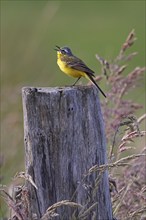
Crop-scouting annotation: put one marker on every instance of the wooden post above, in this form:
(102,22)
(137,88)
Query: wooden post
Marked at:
(64,137)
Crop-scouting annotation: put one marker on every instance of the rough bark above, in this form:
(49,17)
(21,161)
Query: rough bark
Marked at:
(64,137)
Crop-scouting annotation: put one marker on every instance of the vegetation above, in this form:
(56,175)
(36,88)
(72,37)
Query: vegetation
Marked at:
(126,173)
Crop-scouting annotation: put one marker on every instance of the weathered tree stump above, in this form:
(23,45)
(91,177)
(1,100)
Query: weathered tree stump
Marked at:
(64,137)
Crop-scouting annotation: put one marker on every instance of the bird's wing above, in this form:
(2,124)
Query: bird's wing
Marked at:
(78,64)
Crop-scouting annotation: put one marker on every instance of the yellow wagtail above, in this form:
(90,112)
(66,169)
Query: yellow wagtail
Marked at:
(73,66)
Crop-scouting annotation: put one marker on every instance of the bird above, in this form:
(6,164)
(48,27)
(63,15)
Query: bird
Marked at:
(73,66)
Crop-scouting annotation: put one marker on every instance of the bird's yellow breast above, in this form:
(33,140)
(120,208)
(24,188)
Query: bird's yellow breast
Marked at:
(66,69)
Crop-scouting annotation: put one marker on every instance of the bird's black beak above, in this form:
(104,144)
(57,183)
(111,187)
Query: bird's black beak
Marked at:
(57,48)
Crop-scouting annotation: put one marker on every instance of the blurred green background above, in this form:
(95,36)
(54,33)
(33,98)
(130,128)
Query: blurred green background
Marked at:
(29,32)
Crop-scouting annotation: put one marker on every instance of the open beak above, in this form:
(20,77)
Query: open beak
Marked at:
(57,48)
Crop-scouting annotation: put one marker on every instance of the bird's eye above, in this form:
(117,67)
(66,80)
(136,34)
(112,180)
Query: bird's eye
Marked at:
(63,51)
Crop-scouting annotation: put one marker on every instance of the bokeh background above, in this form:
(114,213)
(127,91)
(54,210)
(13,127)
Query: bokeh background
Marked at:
(29,32)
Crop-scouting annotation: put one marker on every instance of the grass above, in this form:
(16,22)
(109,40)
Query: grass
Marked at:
(126,189)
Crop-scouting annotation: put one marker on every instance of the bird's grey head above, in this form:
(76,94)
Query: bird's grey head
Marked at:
(64,50)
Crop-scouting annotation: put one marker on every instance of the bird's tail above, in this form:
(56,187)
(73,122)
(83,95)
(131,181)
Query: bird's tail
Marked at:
(93,81)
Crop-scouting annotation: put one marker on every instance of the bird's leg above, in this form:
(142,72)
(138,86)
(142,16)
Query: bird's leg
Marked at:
(76,81)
